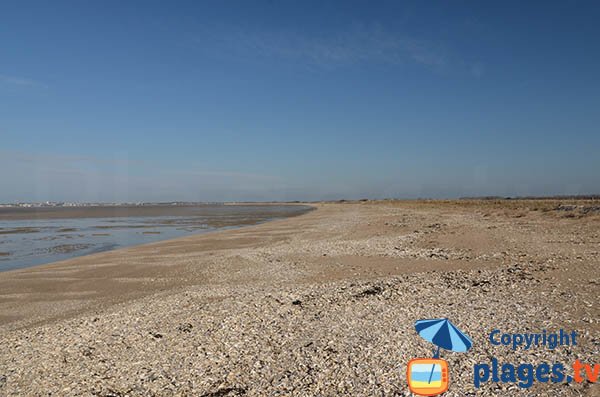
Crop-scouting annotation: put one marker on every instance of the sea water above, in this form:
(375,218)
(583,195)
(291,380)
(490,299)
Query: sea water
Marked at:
(30,242)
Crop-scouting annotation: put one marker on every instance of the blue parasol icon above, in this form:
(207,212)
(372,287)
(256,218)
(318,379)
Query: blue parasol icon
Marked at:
(442,333)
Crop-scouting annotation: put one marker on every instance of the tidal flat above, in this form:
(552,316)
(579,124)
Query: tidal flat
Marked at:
(34,236)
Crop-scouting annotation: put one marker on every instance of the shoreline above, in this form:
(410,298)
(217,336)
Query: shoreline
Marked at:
(64,233)
(328,298)
(150,244)
(34,279)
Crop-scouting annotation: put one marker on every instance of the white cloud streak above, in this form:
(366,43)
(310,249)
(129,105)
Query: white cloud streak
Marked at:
(358,45)
(20,82)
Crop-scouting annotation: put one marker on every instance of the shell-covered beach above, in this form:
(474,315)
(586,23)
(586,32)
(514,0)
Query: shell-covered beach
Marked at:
(321,304)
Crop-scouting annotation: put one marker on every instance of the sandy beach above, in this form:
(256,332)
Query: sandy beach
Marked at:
(322,304)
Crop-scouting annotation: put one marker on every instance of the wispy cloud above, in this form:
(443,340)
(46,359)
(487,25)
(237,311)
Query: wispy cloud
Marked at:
(357,45)
(20,81)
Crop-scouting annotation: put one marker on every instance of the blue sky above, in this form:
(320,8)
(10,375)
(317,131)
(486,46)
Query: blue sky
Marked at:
(277,100)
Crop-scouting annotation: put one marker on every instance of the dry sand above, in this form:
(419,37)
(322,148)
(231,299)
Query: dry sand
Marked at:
(318,305)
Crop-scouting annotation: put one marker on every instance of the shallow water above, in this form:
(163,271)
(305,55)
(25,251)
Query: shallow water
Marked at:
(30,242)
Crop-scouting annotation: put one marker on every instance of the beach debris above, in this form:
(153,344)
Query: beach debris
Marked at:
(185,327)
(155,335)
(226,392)
(373,290)
(477,283)
(87,351)
(112,393)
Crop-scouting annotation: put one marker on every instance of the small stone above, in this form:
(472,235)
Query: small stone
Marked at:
(186,327)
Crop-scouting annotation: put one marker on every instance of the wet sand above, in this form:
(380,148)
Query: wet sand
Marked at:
(319,304)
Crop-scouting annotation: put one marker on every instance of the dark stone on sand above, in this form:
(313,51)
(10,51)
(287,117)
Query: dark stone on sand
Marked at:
(374,290)
(187,327)
(226,392)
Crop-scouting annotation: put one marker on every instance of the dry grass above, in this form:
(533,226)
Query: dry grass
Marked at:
(559,207)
